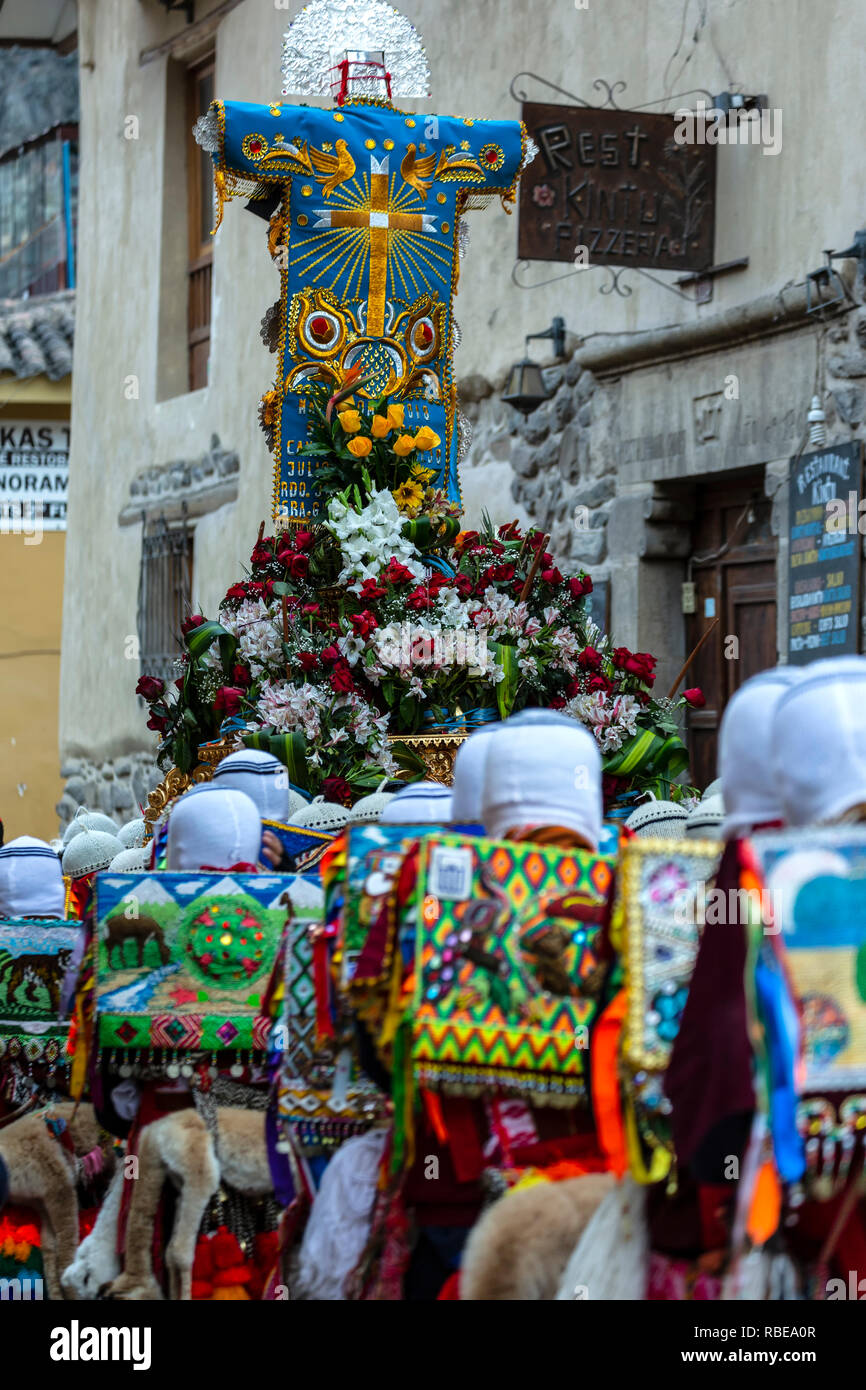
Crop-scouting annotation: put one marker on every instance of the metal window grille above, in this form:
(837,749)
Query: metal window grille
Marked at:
(164,594)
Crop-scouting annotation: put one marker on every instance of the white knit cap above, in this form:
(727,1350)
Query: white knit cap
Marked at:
(327,816)
(714,788)
(263,778)
(132,834)
(705,819)
(468,782)
(421,803)
(129,860)
(819,741)
(542,774)
(89,851)
(368,809)
(88,820)
(750,790)
(665,819)
(31,880)
(211,825)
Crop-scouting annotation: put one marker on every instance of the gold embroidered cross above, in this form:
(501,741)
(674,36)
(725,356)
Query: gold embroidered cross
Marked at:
(381,220)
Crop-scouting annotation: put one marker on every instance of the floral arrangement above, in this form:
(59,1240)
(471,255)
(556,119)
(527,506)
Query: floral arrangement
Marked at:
(348,633)
(368,446)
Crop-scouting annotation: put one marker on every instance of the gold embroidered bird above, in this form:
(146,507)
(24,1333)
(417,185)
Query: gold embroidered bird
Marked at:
(419,173)
(333,169)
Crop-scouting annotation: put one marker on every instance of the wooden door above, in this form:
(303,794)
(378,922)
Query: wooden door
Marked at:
(733,568)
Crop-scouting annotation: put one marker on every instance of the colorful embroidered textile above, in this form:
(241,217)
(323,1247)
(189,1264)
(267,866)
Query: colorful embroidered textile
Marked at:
(374,856)
(321,1094)
(34,957)
(813,884)
(507,970)
(183,960)
(297,841)
(370,202)
(663,889)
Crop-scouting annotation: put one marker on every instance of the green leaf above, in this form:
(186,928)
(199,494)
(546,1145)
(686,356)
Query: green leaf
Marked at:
(407,759)
(861,971)
(202,638)
(506,658)
(291,749)
(407,712)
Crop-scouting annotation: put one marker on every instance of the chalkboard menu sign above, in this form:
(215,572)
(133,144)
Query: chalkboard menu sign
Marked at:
(824,591)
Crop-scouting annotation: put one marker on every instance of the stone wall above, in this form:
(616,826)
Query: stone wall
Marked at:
(118,787)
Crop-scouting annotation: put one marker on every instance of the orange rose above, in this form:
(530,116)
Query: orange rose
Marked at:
(380,427)
(360,446)
(350,420)
(395,417)
(404,445)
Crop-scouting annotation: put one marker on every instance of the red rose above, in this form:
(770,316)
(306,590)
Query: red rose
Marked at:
(535,539)
(579,587)
(463,585)
(298,566)
(511,532)
(599,683)
(551,576)
(370,591)
(340,680)
(237,592)
(308,661)
(312,608)
(303,540)
(150,687)
(418,600)
(228,700)
(331,654)
(364,623)
(642,665)
(503,573)
(241,677)
(695,697)
(337,789)
(395,573)
(573,688)
(589,659)
(179,683)
(557,703)
(620,656)
(158,723)
(193,621)
(263,552)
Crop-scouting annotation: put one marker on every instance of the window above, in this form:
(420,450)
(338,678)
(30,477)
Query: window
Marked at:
(199,95)
(164,594)
(38,203)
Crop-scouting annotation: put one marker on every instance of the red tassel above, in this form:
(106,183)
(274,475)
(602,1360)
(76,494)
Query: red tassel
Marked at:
(226,1251)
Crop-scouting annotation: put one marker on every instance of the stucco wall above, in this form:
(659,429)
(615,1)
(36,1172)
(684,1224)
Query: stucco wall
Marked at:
(779,211)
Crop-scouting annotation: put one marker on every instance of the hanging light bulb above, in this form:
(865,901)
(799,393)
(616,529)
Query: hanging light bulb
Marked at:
(816,418)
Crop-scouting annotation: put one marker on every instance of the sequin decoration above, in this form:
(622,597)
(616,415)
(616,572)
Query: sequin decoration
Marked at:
(324,31)
(254,146)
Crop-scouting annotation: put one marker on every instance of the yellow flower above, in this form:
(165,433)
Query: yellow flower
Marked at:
(420,474)
(360,446)
(395,417)
(408,497)
(426,439)
(350,420)
(404,445)
(380,427)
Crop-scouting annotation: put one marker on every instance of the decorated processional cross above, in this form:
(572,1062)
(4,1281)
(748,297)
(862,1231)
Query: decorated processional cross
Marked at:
(366,209)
